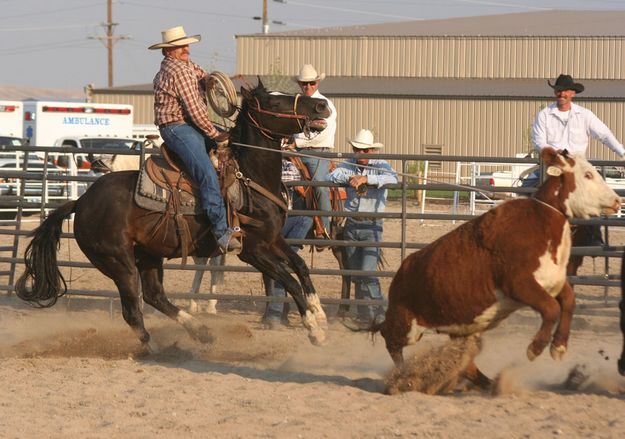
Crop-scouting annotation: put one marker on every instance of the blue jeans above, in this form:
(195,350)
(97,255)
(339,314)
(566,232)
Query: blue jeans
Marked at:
(319,170)
(192,148)
(295,227)
(366,259)
(531,180)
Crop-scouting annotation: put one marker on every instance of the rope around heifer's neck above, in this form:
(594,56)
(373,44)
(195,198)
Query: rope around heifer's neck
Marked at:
(549,205)
(403,174)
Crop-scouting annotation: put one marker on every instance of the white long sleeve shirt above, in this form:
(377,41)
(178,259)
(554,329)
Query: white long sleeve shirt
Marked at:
(323,139)
(572,133)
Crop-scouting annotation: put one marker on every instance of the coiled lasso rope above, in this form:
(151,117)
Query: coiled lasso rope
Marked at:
(221,91)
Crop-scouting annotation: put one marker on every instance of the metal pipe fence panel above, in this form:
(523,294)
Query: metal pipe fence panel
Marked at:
(460,194)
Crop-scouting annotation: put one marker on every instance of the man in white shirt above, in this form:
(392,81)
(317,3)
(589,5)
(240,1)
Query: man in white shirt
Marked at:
(308,81)
(565,125)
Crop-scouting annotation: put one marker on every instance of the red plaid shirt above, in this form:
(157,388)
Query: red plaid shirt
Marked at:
(179,96)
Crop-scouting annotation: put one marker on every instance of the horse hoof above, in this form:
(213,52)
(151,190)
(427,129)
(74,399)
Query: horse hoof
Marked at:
(151,347)
(530,353)
(322,321)
(211,306)
(317,338)
(557,352)
(193,307)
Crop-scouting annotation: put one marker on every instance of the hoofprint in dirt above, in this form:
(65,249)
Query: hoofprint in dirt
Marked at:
(81,373)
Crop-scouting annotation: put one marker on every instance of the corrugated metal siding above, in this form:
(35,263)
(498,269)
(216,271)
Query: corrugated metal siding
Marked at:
(469,127)
(143,105)
(442,57)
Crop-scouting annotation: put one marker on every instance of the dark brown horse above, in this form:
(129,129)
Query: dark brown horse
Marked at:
(127,243)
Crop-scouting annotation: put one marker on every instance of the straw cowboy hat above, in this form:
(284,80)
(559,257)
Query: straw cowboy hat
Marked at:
(175,37)
(565,82)
(309,74)
(364,140)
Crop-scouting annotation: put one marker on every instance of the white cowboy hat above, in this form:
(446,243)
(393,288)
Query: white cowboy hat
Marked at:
(175,37)
(364,140)
(308,74)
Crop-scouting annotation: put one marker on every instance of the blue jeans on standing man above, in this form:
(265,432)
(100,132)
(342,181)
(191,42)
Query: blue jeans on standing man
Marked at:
(192,148)
(319,169)
(365,259)
(295,227)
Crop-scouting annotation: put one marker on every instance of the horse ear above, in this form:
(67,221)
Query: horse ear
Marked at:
(246,93)
(260,83)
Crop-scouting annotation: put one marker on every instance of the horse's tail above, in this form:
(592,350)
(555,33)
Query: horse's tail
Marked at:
(42,283)
(621,361)
(373,328)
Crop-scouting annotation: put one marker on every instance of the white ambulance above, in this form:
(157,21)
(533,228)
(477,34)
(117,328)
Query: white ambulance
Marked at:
(11,120)
(88,126)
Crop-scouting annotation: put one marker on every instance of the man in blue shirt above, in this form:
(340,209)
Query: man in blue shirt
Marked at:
(365,179)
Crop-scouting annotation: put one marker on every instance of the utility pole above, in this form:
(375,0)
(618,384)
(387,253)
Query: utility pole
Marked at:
(265,20)
(109,40)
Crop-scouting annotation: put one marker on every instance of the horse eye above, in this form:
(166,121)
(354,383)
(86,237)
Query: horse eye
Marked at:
(589,175)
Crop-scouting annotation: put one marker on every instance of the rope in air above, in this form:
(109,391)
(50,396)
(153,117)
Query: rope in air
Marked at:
(340,160)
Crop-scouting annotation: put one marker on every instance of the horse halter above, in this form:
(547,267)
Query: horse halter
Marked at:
(302,121)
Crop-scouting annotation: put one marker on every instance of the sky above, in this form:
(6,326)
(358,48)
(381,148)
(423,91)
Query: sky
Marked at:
(58,43)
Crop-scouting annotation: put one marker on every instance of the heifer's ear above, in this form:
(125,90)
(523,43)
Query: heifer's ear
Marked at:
(549,156)
(555,159)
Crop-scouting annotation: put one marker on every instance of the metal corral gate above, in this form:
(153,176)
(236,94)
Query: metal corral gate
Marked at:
(465,187)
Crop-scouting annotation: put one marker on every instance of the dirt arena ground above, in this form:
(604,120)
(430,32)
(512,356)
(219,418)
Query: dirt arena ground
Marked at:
(73,371)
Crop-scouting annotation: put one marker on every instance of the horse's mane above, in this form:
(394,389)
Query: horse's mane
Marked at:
(242,121)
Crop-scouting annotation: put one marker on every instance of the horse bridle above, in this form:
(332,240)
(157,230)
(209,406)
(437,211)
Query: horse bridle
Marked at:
(302,121)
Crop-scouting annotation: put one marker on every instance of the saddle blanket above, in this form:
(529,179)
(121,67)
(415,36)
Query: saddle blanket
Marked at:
(155,198)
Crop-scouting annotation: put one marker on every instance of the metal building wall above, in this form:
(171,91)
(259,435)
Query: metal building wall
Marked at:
(143,104)
(439,57)
(468,127)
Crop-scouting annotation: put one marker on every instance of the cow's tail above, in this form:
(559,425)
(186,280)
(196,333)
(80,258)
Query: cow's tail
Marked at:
(42,283)
(621,361)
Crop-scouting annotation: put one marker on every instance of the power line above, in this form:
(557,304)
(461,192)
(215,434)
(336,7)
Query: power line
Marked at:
(54,12)
(354,11)
(44,47)
(60,26)
(178,9)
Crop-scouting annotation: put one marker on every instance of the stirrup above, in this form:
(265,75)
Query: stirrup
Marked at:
(230,241)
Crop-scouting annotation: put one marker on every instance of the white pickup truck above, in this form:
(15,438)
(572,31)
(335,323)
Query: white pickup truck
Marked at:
(614,176)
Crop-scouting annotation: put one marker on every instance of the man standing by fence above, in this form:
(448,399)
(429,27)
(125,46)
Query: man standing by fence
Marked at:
(366,179)
(565,125)
(308,81)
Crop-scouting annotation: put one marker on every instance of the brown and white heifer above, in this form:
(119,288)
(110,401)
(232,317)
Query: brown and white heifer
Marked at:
(515,255)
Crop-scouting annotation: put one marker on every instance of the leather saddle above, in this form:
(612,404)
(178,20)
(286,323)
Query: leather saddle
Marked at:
(166,172)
